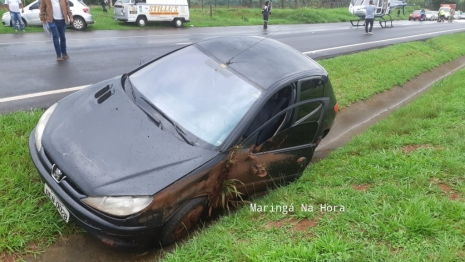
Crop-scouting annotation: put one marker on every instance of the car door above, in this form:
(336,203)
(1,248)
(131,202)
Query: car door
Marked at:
(280,149)
(31,15)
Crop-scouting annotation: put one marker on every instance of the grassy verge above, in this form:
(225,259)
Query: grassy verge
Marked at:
(28,221)
(26,216)
(221,17)
(397,194)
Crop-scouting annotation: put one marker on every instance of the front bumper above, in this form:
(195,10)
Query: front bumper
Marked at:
(109,230)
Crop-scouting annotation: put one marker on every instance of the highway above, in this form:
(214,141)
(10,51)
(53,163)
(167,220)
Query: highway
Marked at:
(32,78)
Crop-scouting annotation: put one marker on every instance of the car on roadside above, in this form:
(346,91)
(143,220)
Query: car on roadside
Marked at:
(415,15)
(435,15)
(81,15)
(461,15)
(429,15)
(138,159)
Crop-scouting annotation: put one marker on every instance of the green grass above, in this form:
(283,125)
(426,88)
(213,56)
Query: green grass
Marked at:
(25,212)
(220,17)
(29,222)
(377,70)
(411,170)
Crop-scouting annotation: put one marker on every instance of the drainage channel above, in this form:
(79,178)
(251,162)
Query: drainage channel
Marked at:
(349,122)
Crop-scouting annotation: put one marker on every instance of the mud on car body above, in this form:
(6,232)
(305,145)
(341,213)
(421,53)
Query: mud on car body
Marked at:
(137,160)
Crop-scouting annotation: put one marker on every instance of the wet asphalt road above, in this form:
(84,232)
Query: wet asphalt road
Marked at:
(44,76)
(29,66)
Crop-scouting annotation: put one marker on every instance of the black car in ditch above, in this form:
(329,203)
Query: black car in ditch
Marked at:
(136,160)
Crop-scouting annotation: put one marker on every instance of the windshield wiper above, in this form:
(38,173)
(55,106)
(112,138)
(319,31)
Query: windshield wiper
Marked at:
(123,79)
(126,77)
(176,127)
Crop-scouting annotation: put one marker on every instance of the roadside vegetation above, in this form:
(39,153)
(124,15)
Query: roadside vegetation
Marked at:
(394,193)
(400,182)
(222,17)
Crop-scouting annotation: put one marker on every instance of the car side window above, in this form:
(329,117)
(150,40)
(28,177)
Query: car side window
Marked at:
(70,4)
(308,89)
(275,104)
(298,134)
(34,6)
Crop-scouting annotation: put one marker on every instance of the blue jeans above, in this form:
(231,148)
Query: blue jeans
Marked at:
(58,28)
(16,18)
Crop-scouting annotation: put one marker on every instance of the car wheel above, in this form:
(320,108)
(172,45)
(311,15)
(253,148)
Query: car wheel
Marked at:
(184,220)
(79,23)
(177,23)
(141,21)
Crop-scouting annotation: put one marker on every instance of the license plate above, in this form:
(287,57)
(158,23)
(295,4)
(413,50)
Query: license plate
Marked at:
(62,210)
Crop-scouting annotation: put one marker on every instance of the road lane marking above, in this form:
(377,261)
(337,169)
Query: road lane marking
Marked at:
(379,41)
(53,92)
(9,99)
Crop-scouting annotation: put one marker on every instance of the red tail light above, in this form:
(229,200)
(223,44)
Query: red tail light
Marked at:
(336,107)
(86,10)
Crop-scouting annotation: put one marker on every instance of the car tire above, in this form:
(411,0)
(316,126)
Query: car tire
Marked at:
(177,22)
(79,23)
(141,21)
(183,221)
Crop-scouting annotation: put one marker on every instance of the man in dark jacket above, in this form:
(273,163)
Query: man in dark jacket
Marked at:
(103,3)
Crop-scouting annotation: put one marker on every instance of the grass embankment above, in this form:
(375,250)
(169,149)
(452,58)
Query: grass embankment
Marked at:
(29,222)
(401,185)
(220,17)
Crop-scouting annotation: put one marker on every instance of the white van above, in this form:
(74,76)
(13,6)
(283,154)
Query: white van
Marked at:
(143,11)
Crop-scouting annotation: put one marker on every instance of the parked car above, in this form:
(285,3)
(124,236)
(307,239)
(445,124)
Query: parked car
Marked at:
(138,159)
(435,15)
(415,15)
(81,15)
(461,15)
(429,15)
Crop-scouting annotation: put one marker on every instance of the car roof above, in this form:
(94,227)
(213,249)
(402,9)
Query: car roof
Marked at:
(263,61)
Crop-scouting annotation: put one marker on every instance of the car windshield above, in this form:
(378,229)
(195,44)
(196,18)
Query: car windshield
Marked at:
(199,94)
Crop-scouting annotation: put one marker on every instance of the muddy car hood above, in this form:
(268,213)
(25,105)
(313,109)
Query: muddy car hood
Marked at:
(114,148)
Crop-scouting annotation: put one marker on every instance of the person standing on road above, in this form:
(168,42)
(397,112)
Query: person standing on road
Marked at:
(451,14)
(13,7)
(104,3)
(266,12)
(57,14)
(369,17)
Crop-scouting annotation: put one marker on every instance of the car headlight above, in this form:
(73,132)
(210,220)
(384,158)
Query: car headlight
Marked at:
(118,206)
(41,126)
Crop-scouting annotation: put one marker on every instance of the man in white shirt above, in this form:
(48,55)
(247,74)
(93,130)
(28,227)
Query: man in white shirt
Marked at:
(57,14)
(13,7)
(369,17)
